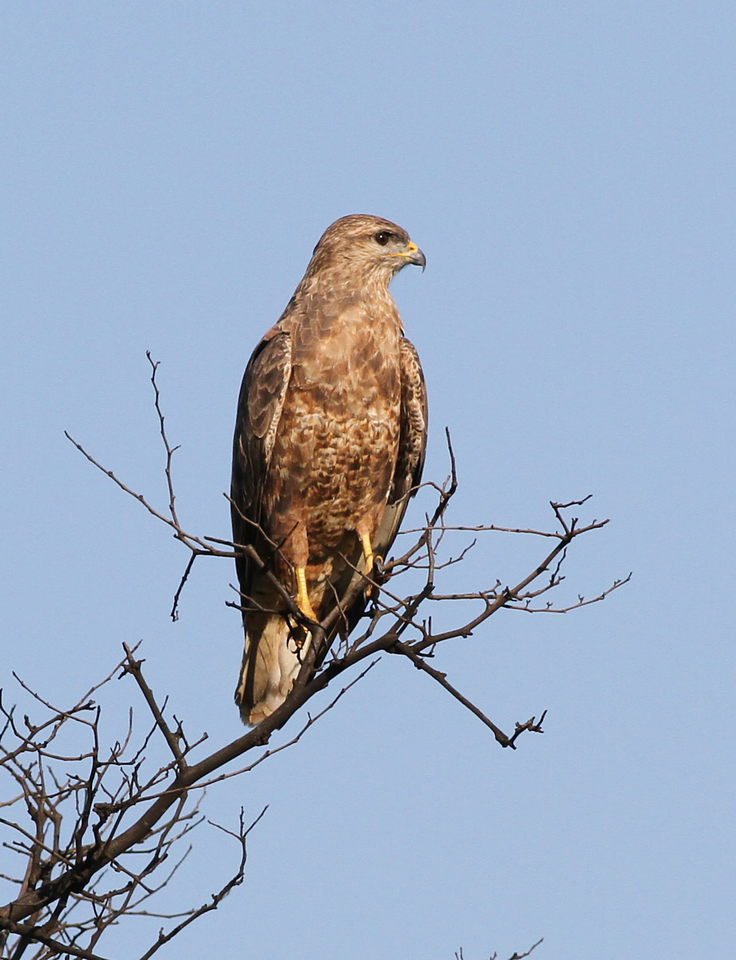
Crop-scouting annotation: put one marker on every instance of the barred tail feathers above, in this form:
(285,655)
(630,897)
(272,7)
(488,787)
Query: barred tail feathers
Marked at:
(270,667)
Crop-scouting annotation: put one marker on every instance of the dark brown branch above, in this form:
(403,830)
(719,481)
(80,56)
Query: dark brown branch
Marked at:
(579,604)
(310,721)
(185,576)
(170,451)
(31,933)
(459,955)
(521,956)
(133,667)
(421,664)
(216,898)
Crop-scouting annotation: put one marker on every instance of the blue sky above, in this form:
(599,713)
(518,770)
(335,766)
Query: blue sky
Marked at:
(568,170)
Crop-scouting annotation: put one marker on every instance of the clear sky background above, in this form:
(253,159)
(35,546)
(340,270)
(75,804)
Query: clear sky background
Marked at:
(568,169)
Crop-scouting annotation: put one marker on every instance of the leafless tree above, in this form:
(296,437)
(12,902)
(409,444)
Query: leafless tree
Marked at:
(95,830)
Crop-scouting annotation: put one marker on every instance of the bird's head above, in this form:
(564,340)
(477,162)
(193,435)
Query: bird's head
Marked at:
(369,248)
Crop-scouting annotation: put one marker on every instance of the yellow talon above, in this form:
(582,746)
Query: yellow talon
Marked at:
(302,595)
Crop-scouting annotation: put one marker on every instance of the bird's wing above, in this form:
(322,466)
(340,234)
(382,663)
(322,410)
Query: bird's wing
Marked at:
(412,447)
(261,401)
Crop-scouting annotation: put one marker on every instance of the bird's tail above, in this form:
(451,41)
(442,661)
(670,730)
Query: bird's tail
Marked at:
(270,666)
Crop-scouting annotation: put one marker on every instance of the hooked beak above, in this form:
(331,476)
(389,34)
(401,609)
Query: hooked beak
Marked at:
(412,254)
(415,255)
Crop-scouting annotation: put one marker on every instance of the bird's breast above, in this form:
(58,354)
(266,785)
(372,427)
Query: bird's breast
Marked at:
(350,354)
(341,421)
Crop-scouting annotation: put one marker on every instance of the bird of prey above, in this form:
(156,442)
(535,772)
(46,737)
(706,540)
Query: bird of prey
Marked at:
(329,446)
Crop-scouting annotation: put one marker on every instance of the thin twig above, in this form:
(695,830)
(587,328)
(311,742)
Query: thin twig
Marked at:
(133,667)
(441,678)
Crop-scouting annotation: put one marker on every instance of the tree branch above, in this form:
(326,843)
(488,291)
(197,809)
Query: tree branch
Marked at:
(84,879)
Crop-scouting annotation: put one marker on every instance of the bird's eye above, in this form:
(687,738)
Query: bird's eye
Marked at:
(382,237)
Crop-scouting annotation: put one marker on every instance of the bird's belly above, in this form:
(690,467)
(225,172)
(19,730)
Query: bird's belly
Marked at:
(348,476)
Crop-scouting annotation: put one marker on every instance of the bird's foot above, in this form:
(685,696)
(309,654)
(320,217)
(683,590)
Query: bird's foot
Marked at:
(365,542)
(302,595)
(300,632)
(373,564)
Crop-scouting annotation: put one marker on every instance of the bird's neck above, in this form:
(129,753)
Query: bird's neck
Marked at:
(336,289)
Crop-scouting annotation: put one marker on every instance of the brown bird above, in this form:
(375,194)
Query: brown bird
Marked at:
(329,446)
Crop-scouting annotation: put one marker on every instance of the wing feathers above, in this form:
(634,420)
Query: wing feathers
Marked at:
(259,410)
(412,446)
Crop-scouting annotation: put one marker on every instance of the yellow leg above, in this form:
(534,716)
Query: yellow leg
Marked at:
(365,542)
(302,596)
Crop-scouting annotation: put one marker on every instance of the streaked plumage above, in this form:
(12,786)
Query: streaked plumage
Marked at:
(329,442)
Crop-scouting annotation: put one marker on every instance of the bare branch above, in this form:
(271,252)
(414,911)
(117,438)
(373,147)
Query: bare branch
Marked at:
(216,898)
(170,451)
(520,956)
(459,955)
(37,934)
(133,667)
(421,664)
(100,825)
(184,577)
